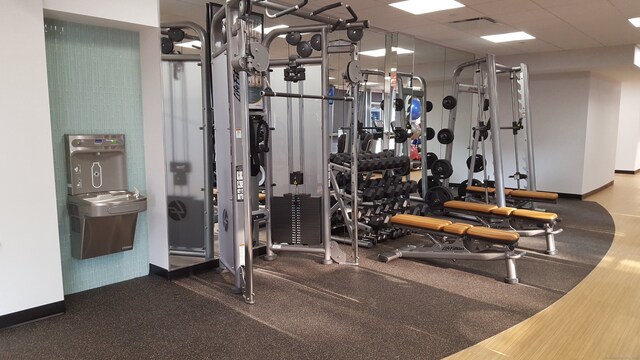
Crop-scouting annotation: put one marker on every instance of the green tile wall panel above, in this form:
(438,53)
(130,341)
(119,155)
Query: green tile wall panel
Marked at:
(94,87)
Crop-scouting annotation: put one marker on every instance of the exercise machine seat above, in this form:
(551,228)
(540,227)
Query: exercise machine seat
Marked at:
(539,195)
(503,211)
(493,235)
(546,217)
(420,222)
(469,206)
(457,228)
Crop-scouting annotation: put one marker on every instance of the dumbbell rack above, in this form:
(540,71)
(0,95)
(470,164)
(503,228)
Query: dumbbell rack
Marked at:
(378,199)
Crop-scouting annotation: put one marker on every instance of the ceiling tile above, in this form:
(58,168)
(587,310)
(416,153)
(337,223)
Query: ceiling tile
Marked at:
(506,7)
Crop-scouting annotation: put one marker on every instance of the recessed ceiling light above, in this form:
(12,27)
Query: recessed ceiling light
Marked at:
(635,21)
(331,78)
(382,52)
(418,7)
(514,36)
(195,44)
(371,83)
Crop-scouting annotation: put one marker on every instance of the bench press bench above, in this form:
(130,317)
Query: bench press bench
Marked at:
(519,198)
(520,220)
(457,241)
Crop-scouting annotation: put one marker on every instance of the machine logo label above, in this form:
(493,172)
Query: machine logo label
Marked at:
(177,210)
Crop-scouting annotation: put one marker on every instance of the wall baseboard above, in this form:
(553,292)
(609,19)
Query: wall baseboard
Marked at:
(570,196)
(610,184)
(197,268)
(33,314)
(628,172)
(185,271)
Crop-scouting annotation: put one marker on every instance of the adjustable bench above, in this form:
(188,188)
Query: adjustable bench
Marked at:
(519,198)
(525,222)
(457,241)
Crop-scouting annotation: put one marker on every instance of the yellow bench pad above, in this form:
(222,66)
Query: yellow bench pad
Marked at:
(493,235)
(420,222)
(262,197)
(535,215)
(540,195)
(503,211)
(457,228)
(463,205)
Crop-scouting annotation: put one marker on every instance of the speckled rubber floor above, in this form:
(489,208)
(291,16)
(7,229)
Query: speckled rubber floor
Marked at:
(304,310)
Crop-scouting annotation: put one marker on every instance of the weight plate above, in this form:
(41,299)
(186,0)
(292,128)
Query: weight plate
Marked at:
(431,183)
(354,74)
(175,34)
(449,102)
(462,188)
(478,165)
(484,134)
(355,35)
(431,158)
(436,197)
(441,169)
(430,133)
(429,106)
(304,49)
(166,45)
(401,135)
(445,136)
(316,42)
(293,38)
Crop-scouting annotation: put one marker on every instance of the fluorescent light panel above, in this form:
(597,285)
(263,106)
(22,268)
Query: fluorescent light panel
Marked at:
(382,52)
(419,7)
(635,21)
(514,36)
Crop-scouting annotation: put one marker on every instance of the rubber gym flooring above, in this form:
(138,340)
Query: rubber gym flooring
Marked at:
(304,310)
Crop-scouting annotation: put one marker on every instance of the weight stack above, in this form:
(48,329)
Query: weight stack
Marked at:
(295,219)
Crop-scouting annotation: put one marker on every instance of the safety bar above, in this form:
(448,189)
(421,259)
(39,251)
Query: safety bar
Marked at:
(269,92)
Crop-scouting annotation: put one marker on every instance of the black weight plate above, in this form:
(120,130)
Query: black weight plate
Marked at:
(441,169)
(478,165)
(431,158)
(293,38)
(401,135)
(484,134)
(304,49)
(399,104)
(316,42)
(445,136)
(166,45)
(175,34)
(431,183)
(355,35)
(430,133)
(429,106)
(462,188)
(436,197)
(449,102)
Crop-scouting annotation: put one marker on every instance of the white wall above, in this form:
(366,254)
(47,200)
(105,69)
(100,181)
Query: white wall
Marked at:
(30,271)
(30,268)
(602,130)
(628,144)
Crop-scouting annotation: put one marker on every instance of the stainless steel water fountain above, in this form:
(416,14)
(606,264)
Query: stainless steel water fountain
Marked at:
(102,211)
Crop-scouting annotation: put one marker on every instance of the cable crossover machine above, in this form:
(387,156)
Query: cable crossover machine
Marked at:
(240,66)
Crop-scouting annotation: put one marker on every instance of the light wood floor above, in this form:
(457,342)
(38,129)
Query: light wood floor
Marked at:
(600,317)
